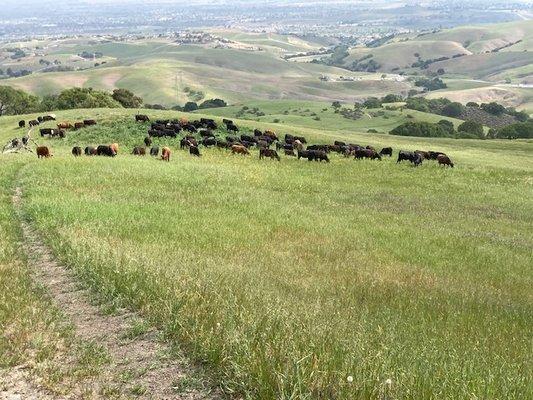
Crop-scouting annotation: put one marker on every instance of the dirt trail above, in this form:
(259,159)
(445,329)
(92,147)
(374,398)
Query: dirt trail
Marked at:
(139,364)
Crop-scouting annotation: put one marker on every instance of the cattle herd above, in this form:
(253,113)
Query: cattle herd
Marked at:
(194,134)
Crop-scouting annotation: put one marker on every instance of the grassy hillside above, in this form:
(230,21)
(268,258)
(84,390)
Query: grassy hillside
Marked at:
(287,278)
(319,115)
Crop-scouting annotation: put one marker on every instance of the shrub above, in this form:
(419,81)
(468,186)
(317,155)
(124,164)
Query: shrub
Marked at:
(472,127)
(213,103)
(420,129)
(453,110)
(190,106)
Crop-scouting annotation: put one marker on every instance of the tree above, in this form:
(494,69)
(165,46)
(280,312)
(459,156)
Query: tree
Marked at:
(472,127)
(190,106)
(493,108)
(336,105)
(213,103)
(14,101)
(420,129)
(372,102)
(441,71)
(392,98)
(126,98)
(82,98)
(447,125)
(453,110)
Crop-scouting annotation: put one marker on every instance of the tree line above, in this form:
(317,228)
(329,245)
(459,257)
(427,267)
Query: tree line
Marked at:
(15,101)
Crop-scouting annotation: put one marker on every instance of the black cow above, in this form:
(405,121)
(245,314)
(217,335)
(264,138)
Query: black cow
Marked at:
(76,151)
(89,122)
(209,141)
(148,141)
(154,151)
(104,150)
(386,151)
(317,155)
(366,153)
(194,151)
(222,144)
(33,122)
(47,132)
(22,124)
(232,128)
(90,151)
(142,118)
(415,158)
(139,151)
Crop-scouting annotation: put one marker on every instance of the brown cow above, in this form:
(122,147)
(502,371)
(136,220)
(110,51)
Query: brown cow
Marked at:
(79,125)
(239,149)
(273,154)
(139,151)
(444,160)
(43,152)
(64,125)
(114,147)
(165,154)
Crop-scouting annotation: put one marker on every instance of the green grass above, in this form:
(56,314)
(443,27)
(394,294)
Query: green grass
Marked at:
(286,278)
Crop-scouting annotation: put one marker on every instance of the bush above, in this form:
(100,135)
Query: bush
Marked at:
(454,110)
(472,127)
(372,102)
(447,125)
(392,98)
(74,98)
(420,129)
(213,103)
(493,108)
(521,130)
(190,106)
(126,98)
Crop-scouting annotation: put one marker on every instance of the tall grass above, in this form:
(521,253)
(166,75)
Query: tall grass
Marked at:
(288,278)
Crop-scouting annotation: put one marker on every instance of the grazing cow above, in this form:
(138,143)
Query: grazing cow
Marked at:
(434,155)
(257,132)
(79,125)
(444,160)
(43,152)
(423,154)
(232,128)
(47,132)
(337,143)
(273,154)
(61,133)
(89,122)
(303,154)
(239,149)
(49,117)
(90,151)
(366,153)
(165,154)
(290,153)
(76,151)
(386,151)
(263,144)
(142,118)
(154,151)
(415,158)
(247,138)
(317,155)
(33,122)
(194,151)
(104,150)
(139,151)
(301,139)
(114,146)
(227,121)
(148,141)
(209,141)
(319,147)
(370,148)
(206,133)
(64,125)
(272,135)
(22,124)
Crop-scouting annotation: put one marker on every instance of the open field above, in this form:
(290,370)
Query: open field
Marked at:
(287,278)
